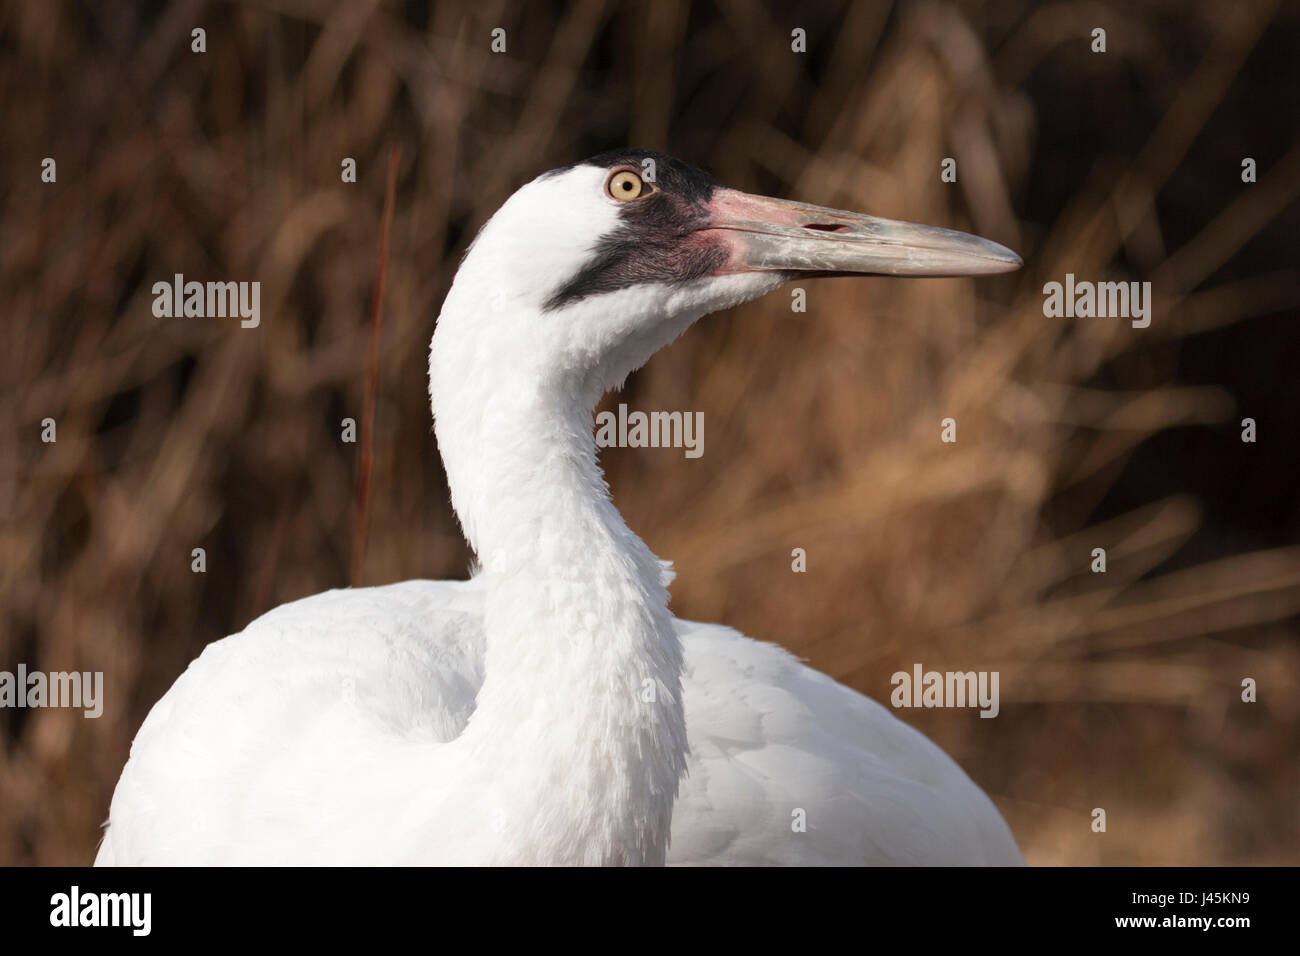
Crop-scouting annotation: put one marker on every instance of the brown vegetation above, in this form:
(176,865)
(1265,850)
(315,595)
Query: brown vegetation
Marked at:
(1118,690)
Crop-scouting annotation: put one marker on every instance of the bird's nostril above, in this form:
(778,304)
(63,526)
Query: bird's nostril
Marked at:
(827,227)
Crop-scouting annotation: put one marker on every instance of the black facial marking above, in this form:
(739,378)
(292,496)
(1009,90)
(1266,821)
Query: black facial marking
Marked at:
(656,240)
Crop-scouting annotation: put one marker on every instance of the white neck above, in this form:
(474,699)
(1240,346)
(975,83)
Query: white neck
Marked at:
(580,712)
(578,738)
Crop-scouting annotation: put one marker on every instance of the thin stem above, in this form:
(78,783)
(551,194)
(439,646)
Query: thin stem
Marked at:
(372,375)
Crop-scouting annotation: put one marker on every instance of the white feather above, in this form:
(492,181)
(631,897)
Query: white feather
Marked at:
(319,735)
(551,710)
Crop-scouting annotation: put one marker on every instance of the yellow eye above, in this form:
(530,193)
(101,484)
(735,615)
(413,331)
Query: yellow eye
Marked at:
(625,185)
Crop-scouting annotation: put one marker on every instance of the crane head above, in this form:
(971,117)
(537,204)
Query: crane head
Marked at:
(591,268)
(588,270)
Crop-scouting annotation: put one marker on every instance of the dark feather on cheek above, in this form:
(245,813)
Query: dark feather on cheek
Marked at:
(658,238)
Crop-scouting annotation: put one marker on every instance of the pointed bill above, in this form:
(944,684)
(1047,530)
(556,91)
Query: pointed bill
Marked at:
(776,235)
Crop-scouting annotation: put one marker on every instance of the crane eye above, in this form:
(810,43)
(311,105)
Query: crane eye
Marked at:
(624,184)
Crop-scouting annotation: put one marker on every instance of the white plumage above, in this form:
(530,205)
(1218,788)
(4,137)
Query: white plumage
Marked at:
(363,688)
(551,710)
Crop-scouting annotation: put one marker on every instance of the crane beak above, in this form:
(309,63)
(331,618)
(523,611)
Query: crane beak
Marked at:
(776,235)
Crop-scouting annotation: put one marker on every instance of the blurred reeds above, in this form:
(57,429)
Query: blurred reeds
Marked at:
(822,429)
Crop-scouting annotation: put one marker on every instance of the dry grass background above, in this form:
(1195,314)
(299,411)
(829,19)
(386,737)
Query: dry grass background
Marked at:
(1118,690)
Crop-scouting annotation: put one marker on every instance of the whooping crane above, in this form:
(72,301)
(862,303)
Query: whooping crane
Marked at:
(551,710)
